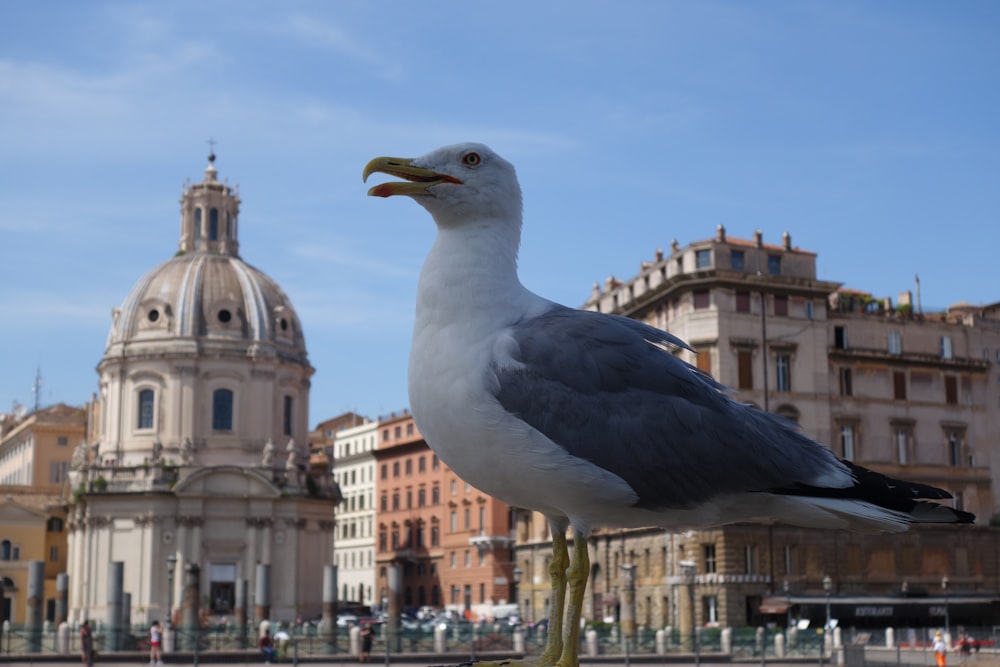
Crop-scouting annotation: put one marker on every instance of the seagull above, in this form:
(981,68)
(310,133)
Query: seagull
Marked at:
(589,418)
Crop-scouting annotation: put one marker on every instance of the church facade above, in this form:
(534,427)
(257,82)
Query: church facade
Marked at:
(198,452)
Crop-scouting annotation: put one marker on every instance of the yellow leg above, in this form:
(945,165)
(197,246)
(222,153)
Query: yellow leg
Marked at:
(579,573)
(557,573)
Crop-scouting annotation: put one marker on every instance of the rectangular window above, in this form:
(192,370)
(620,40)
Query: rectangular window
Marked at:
(709,552)
(742,302)
(453,520)
(899,385)
(781,305)
(774,265)
(954,449)
(946,349)
(53,553)
(791,559)
(895,341)
(783,373)
(57,471)
(840,338)
(846,382)
(847,442)
(902,445)
(62,440)
(222,410)
(744,363)
(750,559)
(950,389)
(702,299)
(710,608)
(703,259)
(704,361)
(737,260)
(145,409)
(287,415)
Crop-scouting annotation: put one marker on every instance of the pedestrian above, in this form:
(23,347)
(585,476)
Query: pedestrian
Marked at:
(940,650)
(155,640)
(86,644)
(367,636)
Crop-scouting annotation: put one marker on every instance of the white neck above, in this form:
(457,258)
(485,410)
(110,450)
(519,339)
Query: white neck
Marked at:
(471,274)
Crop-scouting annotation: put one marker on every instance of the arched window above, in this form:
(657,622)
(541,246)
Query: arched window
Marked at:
(222,410)
(145,409)
(5,548)
(213,224)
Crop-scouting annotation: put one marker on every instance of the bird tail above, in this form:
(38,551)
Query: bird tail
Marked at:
(876,501)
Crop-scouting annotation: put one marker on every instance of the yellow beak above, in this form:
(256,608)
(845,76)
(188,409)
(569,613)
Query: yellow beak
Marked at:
(418,179)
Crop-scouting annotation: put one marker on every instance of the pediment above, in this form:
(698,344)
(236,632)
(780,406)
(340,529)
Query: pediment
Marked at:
(13,511)
(227,482)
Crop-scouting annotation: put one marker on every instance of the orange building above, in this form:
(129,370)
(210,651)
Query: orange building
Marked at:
(452,541)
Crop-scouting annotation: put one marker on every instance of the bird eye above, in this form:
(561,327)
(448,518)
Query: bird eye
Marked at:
(471,160)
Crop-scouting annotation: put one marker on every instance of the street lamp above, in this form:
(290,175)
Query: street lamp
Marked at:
(688,569)
(517,574)
(785,586)
(171,567)
(828,587)
(944,587)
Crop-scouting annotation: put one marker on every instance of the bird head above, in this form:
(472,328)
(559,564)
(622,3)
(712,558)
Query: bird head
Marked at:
(456,183)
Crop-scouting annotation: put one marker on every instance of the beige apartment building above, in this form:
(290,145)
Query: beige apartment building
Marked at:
(912,394)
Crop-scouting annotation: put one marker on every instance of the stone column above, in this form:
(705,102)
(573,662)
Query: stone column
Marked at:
(62,597)
(262,593)
(329,624)
(36,598)
(116,578)
(240,612)
(395,581)
(189,607)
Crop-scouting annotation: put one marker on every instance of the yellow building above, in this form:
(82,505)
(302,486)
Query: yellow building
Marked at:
(32,527)
(35,455)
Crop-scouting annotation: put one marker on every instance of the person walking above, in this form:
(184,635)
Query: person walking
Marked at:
(940,650)
(155,641)
(86,644)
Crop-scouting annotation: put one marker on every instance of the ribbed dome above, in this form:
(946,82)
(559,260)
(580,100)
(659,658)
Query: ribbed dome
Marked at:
(206,295)
(206,292)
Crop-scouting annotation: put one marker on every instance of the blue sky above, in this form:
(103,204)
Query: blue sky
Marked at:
(868,130)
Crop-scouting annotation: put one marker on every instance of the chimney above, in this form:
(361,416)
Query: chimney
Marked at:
(720,234)
(786,238)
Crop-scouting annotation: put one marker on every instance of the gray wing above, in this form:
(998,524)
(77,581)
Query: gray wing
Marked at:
(604,388)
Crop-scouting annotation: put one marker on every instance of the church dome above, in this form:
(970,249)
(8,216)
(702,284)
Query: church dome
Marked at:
(207,292)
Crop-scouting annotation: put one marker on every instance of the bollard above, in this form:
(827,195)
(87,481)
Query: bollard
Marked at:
(62,638)
(661,642)
(440,638)
(890,637)
(354,640)
(726,641)
(779,646)
(518,640)
(591,642)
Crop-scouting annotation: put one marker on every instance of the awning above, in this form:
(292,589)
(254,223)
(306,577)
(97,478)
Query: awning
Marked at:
(774,605)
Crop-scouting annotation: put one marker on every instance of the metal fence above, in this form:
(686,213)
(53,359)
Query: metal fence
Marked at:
(902,647)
